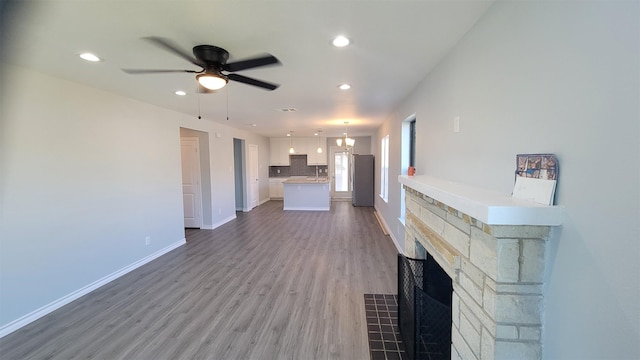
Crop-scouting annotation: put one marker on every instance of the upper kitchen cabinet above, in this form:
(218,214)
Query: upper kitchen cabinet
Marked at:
(313,156)
(279,151)
(301,146)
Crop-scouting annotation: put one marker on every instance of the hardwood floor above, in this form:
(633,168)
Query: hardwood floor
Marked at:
(268,285)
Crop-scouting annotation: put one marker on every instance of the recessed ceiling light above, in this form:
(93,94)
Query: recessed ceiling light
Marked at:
(344,86)
(181,93)
(90,57)
(340,41)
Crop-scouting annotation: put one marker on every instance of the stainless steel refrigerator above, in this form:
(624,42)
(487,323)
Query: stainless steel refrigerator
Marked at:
(362,177)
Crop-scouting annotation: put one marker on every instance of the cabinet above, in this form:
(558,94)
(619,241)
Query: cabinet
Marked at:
(313,157)
(276,188)
(279,151)
(302,146)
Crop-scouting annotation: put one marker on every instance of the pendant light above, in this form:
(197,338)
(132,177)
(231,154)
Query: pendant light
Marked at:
(319,150)
(290,135)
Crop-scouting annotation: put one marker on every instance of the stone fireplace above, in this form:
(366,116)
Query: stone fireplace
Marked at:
(493,247)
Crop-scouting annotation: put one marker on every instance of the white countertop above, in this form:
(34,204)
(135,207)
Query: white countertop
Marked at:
(490,207)
(306,180)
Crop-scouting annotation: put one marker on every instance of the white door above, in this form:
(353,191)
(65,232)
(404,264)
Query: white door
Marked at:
(340,172)
(191,191)
(254,189)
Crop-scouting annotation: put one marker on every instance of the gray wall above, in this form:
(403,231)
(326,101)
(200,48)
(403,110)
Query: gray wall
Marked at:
(559,77)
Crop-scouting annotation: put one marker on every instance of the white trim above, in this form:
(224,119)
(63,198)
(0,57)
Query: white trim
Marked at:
(260,203)
(49,308)
(222,222)
(395,241)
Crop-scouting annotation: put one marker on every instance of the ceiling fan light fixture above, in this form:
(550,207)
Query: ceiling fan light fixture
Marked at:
(212,81)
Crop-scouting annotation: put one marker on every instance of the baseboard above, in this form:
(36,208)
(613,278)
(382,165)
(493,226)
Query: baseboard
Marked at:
(222,222)
(37,314)
(264,201)
(393,237)
(397,244)
(383,227)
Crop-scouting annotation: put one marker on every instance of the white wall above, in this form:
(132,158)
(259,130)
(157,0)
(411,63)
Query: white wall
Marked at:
(85,177)
(222,164)
(559,77)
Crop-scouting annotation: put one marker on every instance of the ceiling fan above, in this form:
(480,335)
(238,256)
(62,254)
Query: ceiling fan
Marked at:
(213,61)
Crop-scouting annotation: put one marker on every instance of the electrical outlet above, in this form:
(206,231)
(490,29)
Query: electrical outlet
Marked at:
(147,240)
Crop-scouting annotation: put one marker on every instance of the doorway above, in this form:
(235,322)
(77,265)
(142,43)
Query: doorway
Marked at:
(247,180)
(254,184)
(191,183)
(340,172)
(239,174)
(205,175)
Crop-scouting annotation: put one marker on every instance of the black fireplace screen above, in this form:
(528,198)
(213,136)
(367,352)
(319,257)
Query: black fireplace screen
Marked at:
(424,308)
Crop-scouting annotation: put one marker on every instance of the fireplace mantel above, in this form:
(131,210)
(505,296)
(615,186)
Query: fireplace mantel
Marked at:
(490,207)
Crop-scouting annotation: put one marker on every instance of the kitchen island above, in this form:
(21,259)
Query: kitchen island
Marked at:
(311,194)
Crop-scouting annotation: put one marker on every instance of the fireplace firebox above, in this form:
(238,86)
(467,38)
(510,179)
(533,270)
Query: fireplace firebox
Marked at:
(424,308)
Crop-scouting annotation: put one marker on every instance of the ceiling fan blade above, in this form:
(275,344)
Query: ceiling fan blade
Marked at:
(251,63)
(150,71)
(168,45)
(251,81)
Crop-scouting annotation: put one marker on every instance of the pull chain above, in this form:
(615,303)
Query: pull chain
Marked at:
(198,96)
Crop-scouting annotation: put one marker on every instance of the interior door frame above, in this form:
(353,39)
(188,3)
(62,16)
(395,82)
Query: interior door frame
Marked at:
(346,195)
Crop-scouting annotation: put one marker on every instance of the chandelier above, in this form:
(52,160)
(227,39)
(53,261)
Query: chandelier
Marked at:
(348,142)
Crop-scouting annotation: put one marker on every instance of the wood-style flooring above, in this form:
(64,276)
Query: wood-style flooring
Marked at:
(268,285)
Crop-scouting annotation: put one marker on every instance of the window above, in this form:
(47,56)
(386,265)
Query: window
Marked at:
(384,168)
(407,155)
(412,142)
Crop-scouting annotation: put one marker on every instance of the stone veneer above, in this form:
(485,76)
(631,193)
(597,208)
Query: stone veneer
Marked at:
(497,273)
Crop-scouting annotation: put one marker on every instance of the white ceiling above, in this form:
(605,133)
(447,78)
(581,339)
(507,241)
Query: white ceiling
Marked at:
(394,46)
